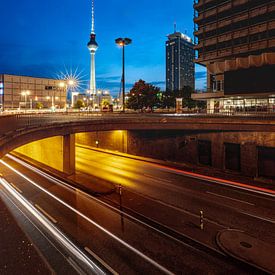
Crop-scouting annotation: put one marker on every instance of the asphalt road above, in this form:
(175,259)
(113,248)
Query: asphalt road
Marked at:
(121,242)
(223,206)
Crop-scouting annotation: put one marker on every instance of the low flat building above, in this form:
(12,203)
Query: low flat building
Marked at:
(235,40)
(25,92)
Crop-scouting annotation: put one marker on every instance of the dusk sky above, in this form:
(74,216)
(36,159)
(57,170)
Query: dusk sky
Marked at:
(45,38)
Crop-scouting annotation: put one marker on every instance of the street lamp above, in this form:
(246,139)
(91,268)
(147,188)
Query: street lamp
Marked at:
(25,94)
(123,42)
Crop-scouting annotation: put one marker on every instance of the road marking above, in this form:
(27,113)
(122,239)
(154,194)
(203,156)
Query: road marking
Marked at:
(224,182)
(100,260)
(156,178)
(238,185)
(218,195)
(107,232)
(258,217)
(15,187)
(46,213)
(53,230)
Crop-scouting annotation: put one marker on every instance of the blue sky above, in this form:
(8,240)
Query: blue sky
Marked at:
(44,38)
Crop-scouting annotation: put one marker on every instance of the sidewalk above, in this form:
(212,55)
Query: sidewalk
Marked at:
(18,255)
(246,248)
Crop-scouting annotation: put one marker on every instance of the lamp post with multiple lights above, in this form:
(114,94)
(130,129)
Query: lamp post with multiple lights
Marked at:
(25,94)
(123,42)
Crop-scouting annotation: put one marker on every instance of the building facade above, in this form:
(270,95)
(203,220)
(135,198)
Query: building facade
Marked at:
(235,40)
(180,68)
(24,92)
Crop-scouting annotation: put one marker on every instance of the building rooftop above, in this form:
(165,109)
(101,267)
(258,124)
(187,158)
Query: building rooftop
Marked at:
(180,35)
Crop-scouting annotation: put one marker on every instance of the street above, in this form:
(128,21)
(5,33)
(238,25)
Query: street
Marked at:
(124,243)
(224,206)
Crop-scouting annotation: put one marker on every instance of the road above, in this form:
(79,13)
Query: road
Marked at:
(122,243)
(223,206)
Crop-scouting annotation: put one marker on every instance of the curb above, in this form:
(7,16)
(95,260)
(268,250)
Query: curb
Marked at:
(235,256)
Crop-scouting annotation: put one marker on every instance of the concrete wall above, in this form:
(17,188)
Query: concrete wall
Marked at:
(179,146)
(112,140)
(48,151)
(56,152)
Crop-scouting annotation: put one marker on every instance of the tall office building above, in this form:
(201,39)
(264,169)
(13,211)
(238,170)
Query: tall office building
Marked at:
(235,40)
(180,68)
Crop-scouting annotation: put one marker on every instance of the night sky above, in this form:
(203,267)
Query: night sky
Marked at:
(45,38)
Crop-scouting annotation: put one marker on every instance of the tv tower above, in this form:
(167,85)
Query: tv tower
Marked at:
(92,46)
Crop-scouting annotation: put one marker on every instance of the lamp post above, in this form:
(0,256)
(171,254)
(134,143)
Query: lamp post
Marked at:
(25,94)
(123,42)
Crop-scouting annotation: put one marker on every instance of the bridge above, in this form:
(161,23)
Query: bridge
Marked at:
(20,129)
(157,195)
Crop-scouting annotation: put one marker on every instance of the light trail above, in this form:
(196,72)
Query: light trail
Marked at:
(70,188)
(237,185)
(52,229)
(107,232)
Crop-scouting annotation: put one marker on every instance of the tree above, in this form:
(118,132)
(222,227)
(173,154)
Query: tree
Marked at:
(79,104)
(105,103)
(143,95)
(39,105)
(169,98)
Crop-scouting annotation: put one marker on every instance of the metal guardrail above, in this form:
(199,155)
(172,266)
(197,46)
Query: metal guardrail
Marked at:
(17,122)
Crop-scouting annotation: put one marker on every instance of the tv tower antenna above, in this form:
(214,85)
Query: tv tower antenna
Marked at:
(93,17)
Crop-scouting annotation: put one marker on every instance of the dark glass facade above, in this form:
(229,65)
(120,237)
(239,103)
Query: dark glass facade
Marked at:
(180,68)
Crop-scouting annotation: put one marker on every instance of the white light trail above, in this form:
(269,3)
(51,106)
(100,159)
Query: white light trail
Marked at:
(51,228)
(107,232)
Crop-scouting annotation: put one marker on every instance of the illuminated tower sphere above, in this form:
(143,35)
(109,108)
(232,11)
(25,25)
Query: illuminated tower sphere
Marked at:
(92,46)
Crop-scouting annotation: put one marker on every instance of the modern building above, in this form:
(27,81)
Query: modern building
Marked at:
(180,68)
(92,46)
(24,92)
(235,40)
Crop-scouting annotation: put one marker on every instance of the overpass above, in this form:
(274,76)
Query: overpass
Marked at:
(20,129)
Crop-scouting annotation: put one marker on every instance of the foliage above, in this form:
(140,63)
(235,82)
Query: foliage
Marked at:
(79,104)
(105,102)
(143,96)
(169,99)
(39,105)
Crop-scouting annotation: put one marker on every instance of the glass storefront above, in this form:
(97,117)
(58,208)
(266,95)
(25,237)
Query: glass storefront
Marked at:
(240,104)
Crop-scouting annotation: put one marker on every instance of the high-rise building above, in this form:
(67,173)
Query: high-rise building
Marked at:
(92,46)
(180,56)
(235,40)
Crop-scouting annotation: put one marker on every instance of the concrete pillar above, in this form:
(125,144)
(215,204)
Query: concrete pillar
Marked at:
(125,141)
(69,154)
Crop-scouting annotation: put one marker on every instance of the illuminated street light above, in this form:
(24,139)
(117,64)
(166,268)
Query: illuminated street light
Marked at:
(123,42)
(25,94)
(71,82)
(62,85)
(72,99)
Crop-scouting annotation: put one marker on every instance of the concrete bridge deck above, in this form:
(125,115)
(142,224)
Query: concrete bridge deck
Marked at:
(19,129)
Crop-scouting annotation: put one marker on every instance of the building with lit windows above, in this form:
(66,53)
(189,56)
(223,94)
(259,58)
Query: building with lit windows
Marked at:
(180,56)
(24,92)
(235,40)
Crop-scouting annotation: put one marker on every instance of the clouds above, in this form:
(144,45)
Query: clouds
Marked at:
(43,39)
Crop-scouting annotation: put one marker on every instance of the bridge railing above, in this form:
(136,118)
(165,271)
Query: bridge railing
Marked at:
(22,121)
